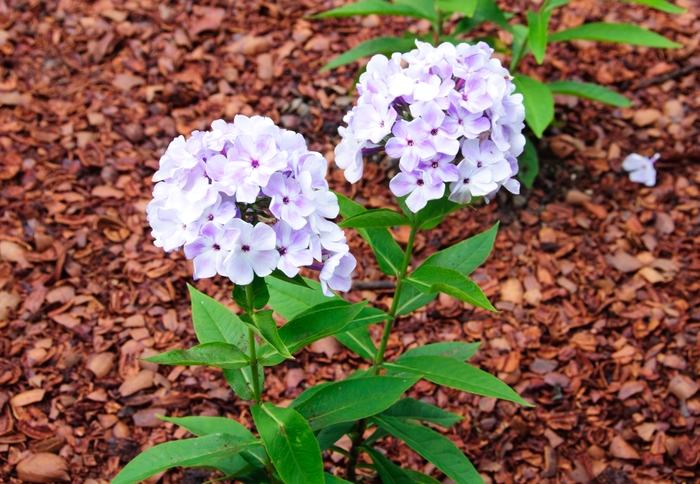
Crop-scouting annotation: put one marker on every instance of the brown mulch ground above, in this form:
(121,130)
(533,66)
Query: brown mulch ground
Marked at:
(597,278)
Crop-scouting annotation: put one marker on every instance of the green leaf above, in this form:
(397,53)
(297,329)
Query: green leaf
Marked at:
(359,341)
(431,279)
(426,7)
(432,214)
(322,320)
(297,280)
(214,322)
(352,400)
(613,32)
(486,10)
(264,326)
(389,472)
(466,255)
(528,164)
(386,249)
(537,25)
(434,447)
(377,218)
(180,453)
(589,91)
(467,7)
(538,102)
(412,299)
(456,374)
(452,349)
(330,435)
(259,298)
(368,7)
(290,443)
(420,478)
(219,355)
(520,45)
(289,301)
(417,410)
(662,5)
(550,5)
(202,426)
(334,480)
(380,45)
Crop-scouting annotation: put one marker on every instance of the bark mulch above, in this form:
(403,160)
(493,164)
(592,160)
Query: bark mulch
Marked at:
(597,278)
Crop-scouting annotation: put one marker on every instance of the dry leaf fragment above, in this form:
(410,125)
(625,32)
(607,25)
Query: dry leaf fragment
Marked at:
(139,381)
(148,417)
(100,364)
(646,431)
(512,291)
(8,302)
(630,388)
(13,252)
(210,20)
(10,165)
(624,262)
(104,191)
(651,275)
(664,223)
(329,346)
(28,397)
(621,449)
(43,467)
(576,197)
(683,387)
(127,81)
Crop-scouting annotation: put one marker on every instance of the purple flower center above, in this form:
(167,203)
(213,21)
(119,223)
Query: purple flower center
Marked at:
(434,131)
(465,181)
(479,164)
(435,164)
(420,182)
(409,142)
(465,98)
(245,248)
(381,124)
(210,217)
(285,200)
(282,251)
(255,163)
(216,247)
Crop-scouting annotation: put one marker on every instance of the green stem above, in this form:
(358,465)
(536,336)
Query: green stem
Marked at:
(437,27)
(357,438)
(379,357)
(251,345)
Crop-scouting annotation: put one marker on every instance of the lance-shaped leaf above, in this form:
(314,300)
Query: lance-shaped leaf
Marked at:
(420,478)
(331,479)
(538,102)
(377,7)
(181,453)
(359,341)
(550,5)
(452,349)
(662,5)
(201,426)
(537,25)
(434,212)
(214,322)
(289,301)
(331,434)
(219,355)
(589,91)
(351,400)
(616,33)
(258,297)
(528,164)
(432,279)
(312,325)
(264,326)
(380,45)
(296,280)
(417,410)
(389,472)
(378,218)
(486,10)
(290,443)
(456,374)
(466,255)
(389,254)
(466,7)
(436,448)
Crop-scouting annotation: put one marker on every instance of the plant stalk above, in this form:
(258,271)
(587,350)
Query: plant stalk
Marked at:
(251,344)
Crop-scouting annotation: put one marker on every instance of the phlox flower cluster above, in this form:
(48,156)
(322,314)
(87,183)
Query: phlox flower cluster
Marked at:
(247,198)
(641,168)
(447,113)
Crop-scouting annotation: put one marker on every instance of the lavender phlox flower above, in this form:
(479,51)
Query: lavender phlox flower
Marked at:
(641,168)
(440,167)
(419,186)
(410,143)
(473,96)
(336,272)
(219,192)
(293,248)
(254,252)
(374,121)
(471,125)
(472,182)
(288,202)
(442,130)
(348,154)
(210,249)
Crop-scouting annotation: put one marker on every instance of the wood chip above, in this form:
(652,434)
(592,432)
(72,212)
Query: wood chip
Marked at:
(621,449)
(683,387)
(28,397)
(624,262)
(43,467)
(139,381)
(100,364)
